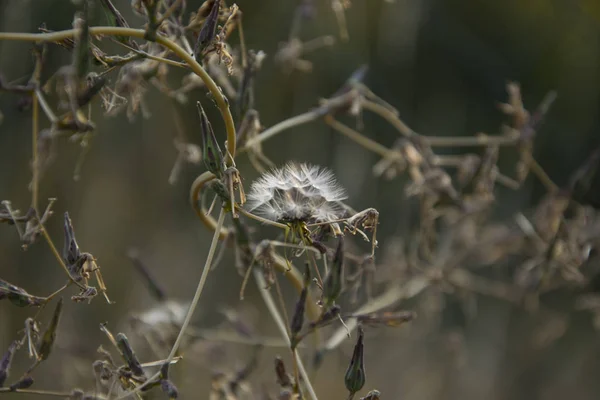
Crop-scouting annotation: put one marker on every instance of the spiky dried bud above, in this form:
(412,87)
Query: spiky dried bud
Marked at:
(71,253)
(166,385)
(18,296)
(283,378)
(129,355)
(332,287)
(208,32)
(355,374)
(297,192)
(23,383)
(6,361)
(169,389)
(298,318)
(212,155)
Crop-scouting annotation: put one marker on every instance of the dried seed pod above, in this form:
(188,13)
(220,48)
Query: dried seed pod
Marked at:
(6,361)
(212,155)
(49,337)
(18,296)
(208,32)
(22,383)
(298,318)
(355,374)
(332,287)
(129,355)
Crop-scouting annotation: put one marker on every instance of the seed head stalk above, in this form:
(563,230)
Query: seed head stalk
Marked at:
(193,304)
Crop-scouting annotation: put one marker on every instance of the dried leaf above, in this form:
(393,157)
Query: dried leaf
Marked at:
(18,296)
(49,337)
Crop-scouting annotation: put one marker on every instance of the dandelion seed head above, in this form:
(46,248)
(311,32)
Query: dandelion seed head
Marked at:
(297,192)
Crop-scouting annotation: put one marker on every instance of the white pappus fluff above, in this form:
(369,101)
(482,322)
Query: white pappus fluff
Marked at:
(297,192)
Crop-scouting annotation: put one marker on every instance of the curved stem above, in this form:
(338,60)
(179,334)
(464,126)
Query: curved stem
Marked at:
(221,101)
(201,212)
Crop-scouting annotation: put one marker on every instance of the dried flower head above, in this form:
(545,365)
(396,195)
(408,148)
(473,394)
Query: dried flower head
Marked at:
(297,192)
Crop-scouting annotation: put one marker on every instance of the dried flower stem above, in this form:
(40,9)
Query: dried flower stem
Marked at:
(358,137)
(34,152)
(45,107)
(541,174)
(389,116)
(394,294)
(471,141)
(240,29)
(221,101)
(440,141)
(260,219)
(169,11)
(191,309)
(282,126)
(200,288)
(64,395)
(270,303)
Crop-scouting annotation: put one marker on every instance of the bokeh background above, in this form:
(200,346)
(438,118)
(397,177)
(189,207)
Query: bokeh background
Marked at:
(443,64)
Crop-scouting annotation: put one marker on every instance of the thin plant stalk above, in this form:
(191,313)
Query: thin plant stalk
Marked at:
(280,127)
(34,152)
(357,137)
(193,304)
(45,107)
(200,288)
(270,303)
(260,219)
(242,43)
(389,116)
(51,393)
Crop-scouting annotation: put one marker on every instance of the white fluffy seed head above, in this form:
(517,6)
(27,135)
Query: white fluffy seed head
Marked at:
(297,192)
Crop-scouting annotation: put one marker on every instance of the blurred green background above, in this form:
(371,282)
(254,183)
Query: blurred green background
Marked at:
(443,64)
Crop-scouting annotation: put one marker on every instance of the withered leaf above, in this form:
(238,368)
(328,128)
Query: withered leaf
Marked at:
(49,337)
(18,296)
